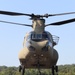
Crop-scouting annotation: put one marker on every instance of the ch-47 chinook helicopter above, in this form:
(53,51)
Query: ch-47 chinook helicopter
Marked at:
(38,46)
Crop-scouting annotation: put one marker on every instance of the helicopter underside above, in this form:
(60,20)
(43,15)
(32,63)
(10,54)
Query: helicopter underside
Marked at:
(38,55)
(36,59)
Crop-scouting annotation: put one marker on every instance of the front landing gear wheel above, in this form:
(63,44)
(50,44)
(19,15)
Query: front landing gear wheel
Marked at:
(53,70)
(39,72)
(20,68)
(23,70)
(56,68)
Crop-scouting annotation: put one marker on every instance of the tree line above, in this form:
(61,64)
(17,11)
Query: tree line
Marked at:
(63,70)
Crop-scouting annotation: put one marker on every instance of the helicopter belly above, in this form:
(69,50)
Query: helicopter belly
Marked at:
(31,59)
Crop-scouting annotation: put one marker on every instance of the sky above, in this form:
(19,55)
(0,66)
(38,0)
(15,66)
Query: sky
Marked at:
(12,36)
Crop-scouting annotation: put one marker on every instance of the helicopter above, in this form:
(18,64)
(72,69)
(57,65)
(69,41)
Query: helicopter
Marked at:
(38,46)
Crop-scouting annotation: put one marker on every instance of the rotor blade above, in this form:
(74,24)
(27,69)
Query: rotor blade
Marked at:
(13,13)
(62,22)
(15,23)
(61,14)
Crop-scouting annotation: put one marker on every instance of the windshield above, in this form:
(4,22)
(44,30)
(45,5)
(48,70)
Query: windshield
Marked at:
(38,37)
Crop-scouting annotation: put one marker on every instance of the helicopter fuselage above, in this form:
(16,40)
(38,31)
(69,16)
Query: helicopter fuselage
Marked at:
(38,49)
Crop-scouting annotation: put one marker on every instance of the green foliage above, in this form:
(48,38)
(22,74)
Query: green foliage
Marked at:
(63,70)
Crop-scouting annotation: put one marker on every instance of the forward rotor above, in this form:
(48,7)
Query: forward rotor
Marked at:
(32,15)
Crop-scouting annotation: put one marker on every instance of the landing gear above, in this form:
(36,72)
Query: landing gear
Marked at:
(57,70)
(53,73)
(22,69)
(39,68)
(39,71)
(54,70)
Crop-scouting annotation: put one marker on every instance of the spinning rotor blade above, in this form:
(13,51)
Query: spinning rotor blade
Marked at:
(49,15)
(13,13)
(32,15)
(15,23)
(61,14)
(62,22)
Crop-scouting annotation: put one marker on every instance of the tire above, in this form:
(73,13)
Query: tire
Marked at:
(53,70)
(20,68)
(23,70)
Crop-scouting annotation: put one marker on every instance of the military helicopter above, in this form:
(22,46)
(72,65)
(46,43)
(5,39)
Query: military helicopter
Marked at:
(38,47)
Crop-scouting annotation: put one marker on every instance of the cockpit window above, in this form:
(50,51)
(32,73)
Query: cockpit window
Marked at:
(36,36)
(39,37)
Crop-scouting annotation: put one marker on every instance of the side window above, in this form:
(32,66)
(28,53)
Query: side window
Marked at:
(55,39)
(28,36)
(50,40)
(49,36)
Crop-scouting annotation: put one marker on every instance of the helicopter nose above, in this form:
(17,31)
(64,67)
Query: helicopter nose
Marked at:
(45,48)
(29,46)
(33,45)
(39,45)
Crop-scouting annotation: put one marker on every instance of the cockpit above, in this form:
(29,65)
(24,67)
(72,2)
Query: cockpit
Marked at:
(38,37)
(32,36)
